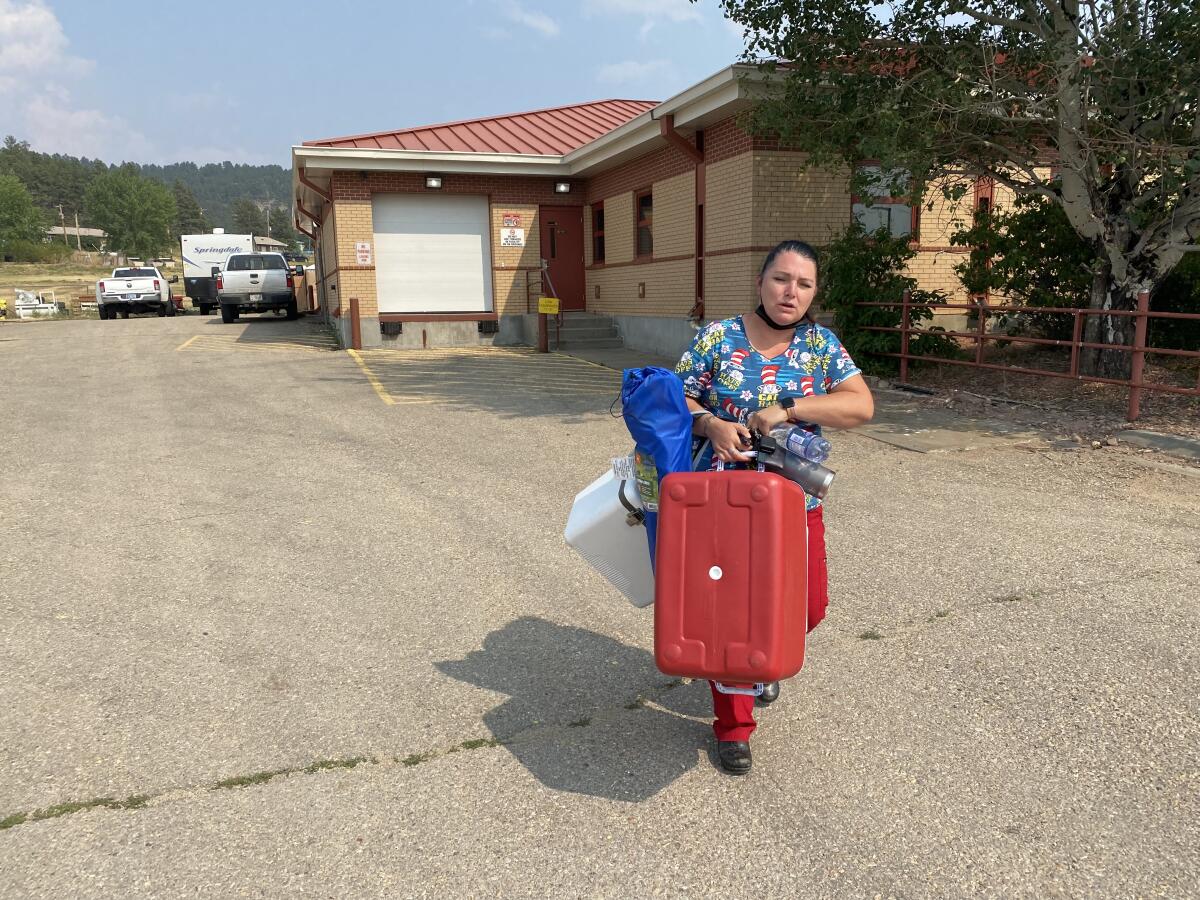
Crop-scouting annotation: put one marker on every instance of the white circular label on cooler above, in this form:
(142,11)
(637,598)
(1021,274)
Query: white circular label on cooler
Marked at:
(715,573)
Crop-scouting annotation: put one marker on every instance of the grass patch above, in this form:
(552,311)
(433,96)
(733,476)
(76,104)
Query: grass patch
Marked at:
(137,801)
(415,759)
(324,765)
(477,743)
(74,806)
(239,781)
(580,723)
(870,635)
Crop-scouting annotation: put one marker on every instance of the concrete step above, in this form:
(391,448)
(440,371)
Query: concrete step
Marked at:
(590,343)
(587,330)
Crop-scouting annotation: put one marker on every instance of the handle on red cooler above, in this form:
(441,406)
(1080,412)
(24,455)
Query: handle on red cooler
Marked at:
(755,691)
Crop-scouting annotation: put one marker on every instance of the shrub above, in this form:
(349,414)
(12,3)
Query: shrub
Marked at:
(870,267)
(37,252)
(1033,257)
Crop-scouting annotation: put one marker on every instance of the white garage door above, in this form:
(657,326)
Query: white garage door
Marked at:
(432,253)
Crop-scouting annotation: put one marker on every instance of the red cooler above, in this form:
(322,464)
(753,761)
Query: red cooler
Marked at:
(731,591)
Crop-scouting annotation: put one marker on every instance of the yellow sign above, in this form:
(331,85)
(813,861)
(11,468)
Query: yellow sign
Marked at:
(548,305)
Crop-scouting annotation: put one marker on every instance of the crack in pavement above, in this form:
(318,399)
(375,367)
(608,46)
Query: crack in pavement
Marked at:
(526,735)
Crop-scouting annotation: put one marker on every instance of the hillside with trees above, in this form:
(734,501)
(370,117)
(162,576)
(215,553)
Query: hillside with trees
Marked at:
(204,195)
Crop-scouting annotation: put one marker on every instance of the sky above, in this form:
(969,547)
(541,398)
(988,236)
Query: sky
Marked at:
(155,82)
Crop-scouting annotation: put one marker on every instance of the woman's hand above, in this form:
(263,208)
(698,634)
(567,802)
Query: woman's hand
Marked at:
(763,420)
(730,440)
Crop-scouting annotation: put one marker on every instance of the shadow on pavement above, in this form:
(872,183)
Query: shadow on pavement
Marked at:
(572,718)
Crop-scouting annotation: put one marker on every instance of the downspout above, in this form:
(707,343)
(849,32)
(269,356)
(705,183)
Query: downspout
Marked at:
(308,234)
(666,127)
(316,220)
(312,187)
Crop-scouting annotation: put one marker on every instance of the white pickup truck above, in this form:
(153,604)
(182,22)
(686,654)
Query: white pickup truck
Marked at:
(256,282)
(135,289)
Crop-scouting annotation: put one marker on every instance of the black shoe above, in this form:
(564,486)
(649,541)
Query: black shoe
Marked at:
(735,757)
(770,694)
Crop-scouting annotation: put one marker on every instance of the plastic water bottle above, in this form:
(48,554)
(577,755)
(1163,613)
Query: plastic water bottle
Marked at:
(802,443)
(812,476)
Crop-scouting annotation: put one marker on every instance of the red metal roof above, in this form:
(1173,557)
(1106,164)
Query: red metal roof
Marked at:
(543,132)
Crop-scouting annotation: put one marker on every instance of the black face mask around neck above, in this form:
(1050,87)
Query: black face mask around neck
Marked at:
(762,314)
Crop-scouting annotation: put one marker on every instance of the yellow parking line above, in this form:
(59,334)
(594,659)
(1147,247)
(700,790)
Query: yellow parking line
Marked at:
(379,389)
(188,341)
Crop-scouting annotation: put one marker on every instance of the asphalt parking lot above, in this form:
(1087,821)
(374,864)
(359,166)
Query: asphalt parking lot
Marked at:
(277,619)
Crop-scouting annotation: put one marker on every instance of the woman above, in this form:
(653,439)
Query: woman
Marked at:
(750,374)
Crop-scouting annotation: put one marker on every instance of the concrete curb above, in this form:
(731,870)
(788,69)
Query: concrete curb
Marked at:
(1188,448)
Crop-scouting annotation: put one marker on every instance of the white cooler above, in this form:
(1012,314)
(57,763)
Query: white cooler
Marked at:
(599,531)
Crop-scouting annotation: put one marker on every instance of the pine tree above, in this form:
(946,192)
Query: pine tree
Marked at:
(189,217)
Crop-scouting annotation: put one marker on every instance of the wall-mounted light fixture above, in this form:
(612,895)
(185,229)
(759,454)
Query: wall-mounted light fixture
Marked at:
(433,181)
(562,187)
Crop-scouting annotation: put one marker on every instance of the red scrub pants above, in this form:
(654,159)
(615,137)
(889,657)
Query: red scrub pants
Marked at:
(735,712)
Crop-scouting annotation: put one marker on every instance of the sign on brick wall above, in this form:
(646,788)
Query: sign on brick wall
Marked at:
(362,253)
(512,237)
(510,220)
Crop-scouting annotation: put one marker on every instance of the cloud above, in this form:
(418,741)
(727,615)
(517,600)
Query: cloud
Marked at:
(633,71)
(35,58)
(653,10)
(535,20)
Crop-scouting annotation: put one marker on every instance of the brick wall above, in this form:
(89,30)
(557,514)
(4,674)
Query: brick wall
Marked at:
(669,286)
(729,287)
(725,139)
(642,172)
(934,270)
(728,203)
(940,218)
(674,227)
(792,202)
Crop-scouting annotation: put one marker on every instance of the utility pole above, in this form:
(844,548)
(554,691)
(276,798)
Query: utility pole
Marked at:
(63,219)
(78,241)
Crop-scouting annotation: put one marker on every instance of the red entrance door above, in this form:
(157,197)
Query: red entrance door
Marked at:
(562,248)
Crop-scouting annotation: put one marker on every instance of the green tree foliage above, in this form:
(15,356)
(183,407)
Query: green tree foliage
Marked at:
(20,220)
(248,218)
(136,212)
(189,217)
(282,228)
(56,179)
(861,267)
(1032,256)
(1104,91)
(52,180)
(218,185)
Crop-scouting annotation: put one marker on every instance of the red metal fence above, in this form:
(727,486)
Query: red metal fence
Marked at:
(1136,383)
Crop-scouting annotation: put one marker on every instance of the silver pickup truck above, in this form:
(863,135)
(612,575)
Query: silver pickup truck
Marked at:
(255,282)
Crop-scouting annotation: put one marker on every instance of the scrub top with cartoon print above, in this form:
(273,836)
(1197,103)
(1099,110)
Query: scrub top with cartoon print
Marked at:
(726,375)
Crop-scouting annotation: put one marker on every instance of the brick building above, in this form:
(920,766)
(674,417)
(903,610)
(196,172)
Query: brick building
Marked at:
(643,211)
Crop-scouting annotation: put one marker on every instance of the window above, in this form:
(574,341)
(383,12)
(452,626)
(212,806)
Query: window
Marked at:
(598,233)
(269,261)
(885,209)
(645,223)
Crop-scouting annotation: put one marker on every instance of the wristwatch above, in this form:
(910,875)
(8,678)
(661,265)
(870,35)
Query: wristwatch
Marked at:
(787,403)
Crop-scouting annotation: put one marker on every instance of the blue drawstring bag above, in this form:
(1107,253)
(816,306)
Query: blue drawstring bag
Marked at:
(658,418)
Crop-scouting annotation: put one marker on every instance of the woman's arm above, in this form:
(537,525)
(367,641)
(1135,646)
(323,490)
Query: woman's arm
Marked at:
(846,406)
